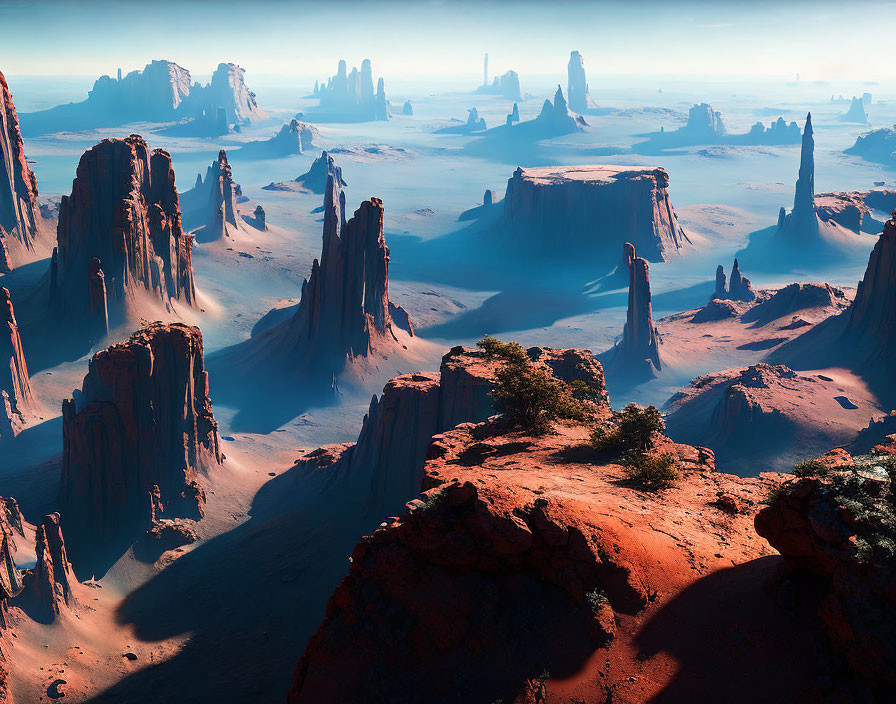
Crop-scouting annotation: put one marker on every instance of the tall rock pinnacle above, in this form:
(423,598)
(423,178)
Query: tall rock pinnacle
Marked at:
(577,85)
(804,197)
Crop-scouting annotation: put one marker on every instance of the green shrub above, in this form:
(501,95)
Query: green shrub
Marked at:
(533,399)
(591,390)
(508,351)
(630,430)
(651,472)
(811,468)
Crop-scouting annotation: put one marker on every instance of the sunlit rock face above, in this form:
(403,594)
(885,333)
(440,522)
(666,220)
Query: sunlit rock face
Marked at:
(18,186)
(227,89)
(587,213)
(124,211)
(138,436)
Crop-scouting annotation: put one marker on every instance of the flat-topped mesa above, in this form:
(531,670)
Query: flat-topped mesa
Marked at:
(211,203)
(801,224)
(704,121)
(141,426)
(16,397)
(585,214)
(123,210)
(153,94)
(227,90)
(18,186)
(856,112)
(385,464)
(738,289)
(52,577)
(507,86)
(350,96)
(577,85)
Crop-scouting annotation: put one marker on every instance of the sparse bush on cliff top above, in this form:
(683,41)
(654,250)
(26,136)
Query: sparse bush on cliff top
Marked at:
(629,430)
(528,394)
(811,468)
(651,472)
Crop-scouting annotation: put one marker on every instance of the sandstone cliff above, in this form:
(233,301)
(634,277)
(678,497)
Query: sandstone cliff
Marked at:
(593,211)
(124,211)
(19,213)
(16,398)
(137,438)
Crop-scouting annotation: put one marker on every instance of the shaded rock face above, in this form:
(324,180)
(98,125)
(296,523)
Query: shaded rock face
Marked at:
(350,96)
(794,298)
(876,146)
(141,421)
(583,213)
(507,86)
(813,530)
(16,397)
(322,168)
(345,308)
(212,203)
(123,210)
(18,186)
(556,119)
(703,120)
(801,224)
(856,112)
(637,354)
(293,138)
(739,288)
(577,85)
(385,464)
(52,578)
(227,90)
(11,531)
(848,210)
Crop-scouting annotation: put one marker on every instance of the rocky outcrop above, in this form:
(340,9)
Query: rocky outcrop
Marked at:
(293,138)
(593,211)
(856,112)
(507,86)
(795,298)
(350,97)
(474,123)
(16,398)
(407,108)
(778,132)
(556,119)
(260,218)
(18,187)
(12,529)
(854,210)
(877,146)
(705,123)
(123,210)
(636,356)
(832,527)
(800,226)
(515,586)
(142,420)
(52,578)
(385,464)
(739,288)
(211,204)
(315,179)
(577,85)
(161,92)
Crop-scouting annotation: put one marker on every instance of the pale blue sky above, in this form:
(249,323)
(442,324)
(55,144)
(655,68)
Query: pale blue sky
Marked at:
(821,40)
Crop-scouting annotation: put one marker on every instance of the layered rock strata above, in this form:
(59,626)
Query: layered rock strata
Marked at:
(124,211)
(141,425)
(52,578)
(16,397)
(587,213)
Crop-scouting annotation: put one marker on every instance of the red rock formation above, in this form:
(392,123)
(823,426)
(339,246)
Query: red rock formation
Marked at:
(123,210)
(11,529)
(794,298)
(739,288)
(52,578)
(18,187)
(15,385)
(637,355)
(846,209)
(827,527)
(142,419)
(530,571)
(386,461)
(586,213)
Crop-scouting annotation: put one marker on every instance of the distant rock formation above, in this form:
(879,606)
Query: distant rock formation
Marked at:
(877,146)
(211,204)
(739,288)
(16,398)
(140,432)
(577,85)
(344,314)
(407,108)
(349,97)
(474,123)
(507,86)
(293,138)
(593,211)
(856,112)
(801,224)
(161,92)
(52,578)
(795,298)
(636,357)
(778,132)
(385,464)
(853,209)
(816,526)
(315,179)
(704,122)
(19,213)
(556,119)
(260,218)
(124,211)
(514,115)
